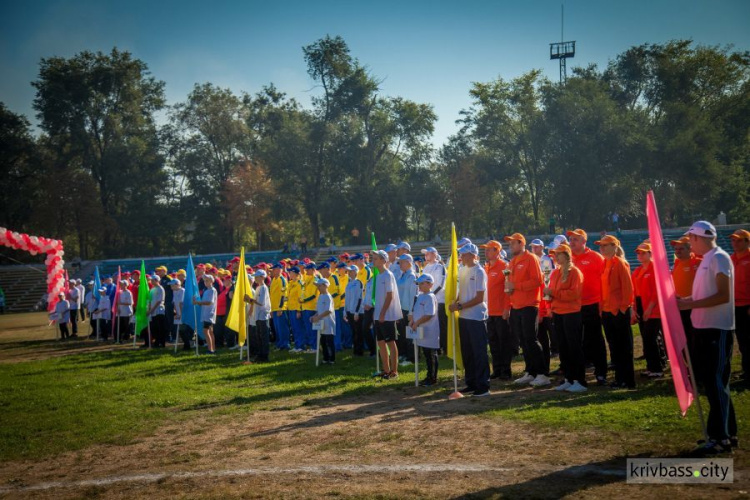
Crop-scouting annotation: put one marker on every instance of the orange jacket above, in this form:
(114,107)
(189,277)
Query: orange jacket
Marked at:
(591,264)
(526,276)
(741,279)
(497,299)
(635,276)
(566,295)
(648,290)
(617,287)
(683,274)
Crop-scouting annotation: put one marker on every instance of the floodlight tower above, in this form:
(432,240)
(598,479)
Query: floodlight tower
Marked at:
(562,50)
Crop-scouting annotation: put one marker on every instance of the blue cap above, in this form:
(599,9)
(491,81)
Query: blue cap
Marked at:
(340,265)
(419,258)
(259,273)
(277,266)
(537,242)
(390,247)
(294,269)
(323,265)
(356,256)
(463,241)
(311,265)
(406,256)
(426,278)
(429,249)
(404,244)
(332,259)
(469,248)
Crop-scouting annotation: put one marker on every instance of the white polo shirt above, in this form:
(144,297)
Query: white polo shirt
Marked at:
(470,281)
(715,262)
(426,305)
(126,299)
(325,303)
(384,283)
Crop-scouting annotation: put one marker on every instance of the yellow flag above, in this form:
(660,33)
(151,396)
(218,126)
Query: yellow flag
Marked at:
(237,317)
(451,294)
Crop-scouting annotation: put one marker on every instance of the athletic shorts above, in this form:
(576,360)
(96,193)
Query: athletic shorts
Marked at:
(207,324)
(385,331)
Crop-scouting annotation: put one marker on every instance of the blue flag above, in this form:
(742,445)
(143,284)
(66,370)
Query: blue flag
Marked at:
(190,312)
(97,285)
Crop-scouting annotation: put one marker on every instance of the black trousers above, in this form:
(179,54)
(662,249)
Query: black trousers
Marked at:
(186,334)
(105,327)
(123,323)
(64,334)
(621,347)
(74,321)
(368,332)
(358,340)
(473,335)
(544,335)
(220,331)
(431,358)
(569,328)
(443,324)
(653,345)
(742,330)
(714,355)
(594,349)
(328,348)
(405,346)
(262,339)
(641,322)
(159,330)
(524,322)
(503,345)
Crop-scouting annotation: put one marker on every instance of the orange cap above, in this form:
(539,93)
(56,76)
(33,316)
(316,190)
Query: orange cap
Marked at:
(682,241)
(643,247)
(562,248)
(740,234)
(492,244)
(516,237)
(578,232)
(607,240)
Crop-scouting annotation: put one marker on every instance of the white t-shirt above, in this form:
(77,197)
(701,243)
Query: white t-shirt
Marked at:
(470,281)
(62,312)
(385,282)
(105,304)
(75,298)
(407,289)
(157,299)
(325,303)
(178,297)
(81,294)
(715,262)
(262,311)
(354,303)
(426,305)
(126,298)
(438,273)
(90,302)
(208,313)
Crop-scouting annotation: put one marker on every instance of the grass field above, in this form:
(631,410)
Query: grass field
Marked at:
(67,399)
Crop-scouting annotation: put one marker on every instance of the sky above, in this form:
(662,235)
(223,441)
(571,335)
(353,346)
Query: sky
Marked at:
(425,51)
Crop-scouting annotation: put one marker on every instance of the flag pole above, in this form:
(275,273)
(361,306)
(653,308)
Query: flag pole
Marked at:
(135,335)
(697,394)
(456,394)
(118,325)
(197,325)
(317,349)
(416,363)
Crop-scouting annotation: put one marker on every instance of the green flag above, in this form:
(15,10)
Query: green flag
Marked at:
(141,311)
(375,271)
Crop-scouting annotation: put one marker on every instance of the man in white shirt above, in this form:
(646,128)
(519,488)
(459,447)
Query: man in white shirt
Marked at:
(472,321)
(435,268)
(387,311)
(124,312)
(156,313)
(262,313)
(712,305)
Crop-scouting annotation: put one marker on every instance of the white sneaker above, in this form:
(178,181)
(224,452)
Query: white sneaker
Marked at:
(576,387)
(564,386)
(540,381)
(524,380)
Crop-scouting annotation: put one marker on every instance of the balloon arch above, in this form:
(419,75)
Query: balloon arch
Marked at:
(54,261)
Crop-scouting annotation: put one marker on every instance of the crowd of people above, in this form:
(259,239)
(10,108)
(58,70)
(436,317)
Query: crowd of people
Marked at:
(539,300)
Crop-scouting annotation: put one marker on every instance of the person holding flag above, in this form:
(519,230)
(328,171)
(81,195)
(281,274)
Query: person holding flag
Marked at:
(124,311)
(262,312)
(683,274)
(237,315)
(207,304)
(713,315)
(142,328)
(472,321)
(156,313)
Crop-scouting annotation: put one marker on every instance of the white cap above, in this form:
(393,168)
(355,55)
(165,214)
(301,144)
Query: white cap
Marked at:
(702,228)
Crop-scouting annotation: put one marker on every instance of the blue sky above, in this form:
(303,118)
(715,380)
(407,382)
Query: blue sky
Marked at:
(427,51)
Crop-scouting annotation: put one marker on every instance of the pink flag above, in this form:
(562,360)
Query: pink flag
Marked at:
(674,333)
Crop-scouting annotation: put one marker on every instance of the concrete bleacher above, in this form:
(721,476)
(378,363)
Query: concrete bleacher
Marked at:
(24,286)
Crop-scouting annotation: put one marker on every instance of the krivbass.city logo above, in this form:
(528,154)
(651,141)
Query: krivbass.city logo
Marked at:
(679,470)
